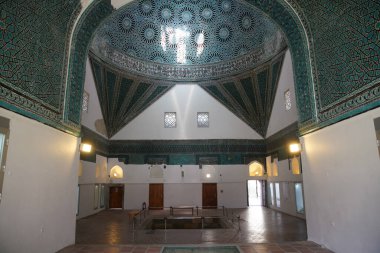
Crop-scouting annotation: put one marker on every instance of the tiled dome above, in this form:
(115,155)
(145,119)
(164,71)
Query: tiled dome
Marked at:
(185,34)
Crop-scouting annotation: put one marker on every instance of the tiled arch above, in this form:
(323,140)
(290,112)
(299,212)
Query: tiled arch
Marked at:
(334,46)
(280,11)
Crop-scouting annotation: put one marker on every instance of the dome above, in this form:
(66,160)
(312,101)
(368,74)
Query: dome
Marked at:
(187,40)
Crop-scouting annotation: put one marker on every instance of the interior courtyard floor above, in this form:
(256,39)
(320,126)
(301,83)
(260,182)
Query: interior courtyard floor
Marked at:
(261,230)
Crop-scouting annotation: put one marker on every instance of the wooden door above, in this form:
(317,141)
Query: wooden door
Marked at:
(209,195)
(116,197)
(156,196)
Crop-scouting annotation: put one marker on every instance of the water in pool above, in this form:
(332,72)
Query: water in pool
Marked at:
(187,223)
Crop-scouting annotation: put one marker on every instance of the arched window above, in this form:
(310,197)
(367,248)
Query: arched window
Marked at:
(256,169)
(116,172)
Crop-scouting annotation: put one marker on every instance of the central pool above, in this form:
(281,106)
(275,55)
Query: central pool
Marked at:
(188,223)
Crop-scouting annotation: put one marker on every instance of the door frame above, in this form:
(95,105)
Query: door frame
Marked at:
(109,197)
(156,208)
(262,188)
(216,194)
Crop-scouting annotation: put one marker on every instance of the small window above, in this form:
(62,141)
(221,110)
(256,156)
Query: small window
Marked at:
(96,196)
(299,198)
(4,137)
(377,129)
(256,169)
(278,196)
(101,189)
(85,102)
(288,102)
(78,199)
(170,120)
(271,194)
(203,119)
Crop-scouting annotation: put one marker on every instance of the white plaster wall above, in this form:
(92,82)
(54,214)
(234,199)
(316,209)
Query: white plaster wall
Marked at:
(187,190)
(94,173)
(341,175)
(287,193)
(135,195)
(233,195)
(87,201)
(38,209)
(91,174)
(186,101)
(280,117)
(189,194)
(94,112)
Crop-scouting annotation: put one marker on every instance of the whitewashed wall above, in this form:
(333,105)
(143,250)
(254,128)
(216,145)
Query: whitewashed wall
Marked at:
(341,175)
(135,195)
(186,101)
(94,112)
(183,194)
(287,193)
(186,190)
(89,175)
(37,212)
(280,117)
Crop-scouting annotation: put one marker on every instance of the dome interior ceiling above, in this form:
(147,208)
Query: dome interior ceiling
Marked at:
(187,32)
(147,46)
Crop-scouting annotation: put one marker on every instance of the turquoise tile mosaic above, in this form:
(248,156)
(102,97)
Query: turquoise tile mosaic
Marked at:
(34,37)
(334,47)
(250,95)
(34,55)
(123,96)
(186,32)
(85,27)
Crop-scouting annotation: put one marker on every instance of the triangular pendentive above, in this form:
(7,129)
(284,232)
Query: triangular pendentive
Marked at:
(250,95)
(123,96)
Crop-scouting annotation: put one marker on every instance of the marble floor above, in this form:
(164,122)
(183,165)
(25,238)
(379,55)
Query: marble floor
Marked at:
(259,230)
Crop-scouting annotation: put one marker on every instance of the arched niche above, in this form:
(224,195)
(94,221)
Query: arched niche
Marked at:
(295,165)
(256,169)
(116,172)
(156,171)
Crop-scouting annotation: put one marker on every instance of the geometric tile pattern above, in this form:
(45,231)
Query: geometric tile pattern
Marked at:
(334,47)
(187,32)
(86,98)
(189,151)
(34,37)
(250,95)
(123,96)
(127,147)
(203,119)
(346,43)
(288,101)
(82,35)
(283,13)
(170,120)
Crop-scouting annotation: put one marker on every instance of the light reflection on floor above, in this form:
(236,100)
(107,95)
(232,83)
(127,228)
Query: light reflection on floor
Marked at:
(257,225)
(262,231)
(113,235)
